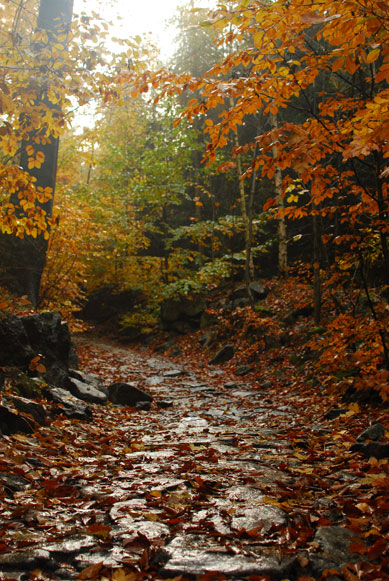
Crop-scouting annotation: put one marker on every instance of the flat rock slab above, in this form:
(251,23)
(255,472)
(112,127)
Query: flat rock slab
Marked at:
(27,560)
(334,544)
(174,373)
(265,517)
(85,391)
(185,558)
(71,546)
(157,363)
(155,380)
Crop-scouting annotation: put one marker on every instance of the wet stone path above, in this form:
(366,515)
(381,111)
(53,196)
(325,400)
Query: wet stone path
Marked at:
(182,490)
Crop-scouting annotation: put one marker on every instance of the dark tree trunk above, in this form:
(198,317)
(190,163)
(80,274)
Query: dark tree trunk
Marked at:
(23,260)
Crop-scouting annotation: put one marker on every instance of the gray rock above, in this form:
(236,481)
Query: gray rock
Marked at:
(264,516)
(239,303)
(85,392)
(334,542)
(13,482)
(71,407)
(90,378)
(258,292)
(155,380)
(15,348)
(174,373)
(49,335)
(186,556)
(10,423)
(230,385)
(71,545)
(223,355)
(243,370)
(374,432)
(29,559)
(377,450)
(43,334)
(36,410)
(127,394)
(174,309)
(182,314)
(165,403)
(143,406)
(334,413)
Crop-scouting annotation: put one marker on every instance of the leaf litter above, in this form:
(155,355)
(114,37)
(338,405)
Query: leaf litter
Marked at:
(228,481)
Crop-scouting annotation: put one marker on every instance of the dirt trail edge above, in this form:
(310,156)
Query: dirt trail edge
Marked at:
(216,480)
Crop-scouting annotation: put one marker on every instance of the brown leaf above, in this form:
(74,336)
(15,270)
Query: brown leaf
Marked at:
(91,572)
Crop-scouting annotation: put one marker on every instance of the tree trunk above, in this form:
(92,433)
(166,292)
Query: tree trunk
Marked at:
(282,239)
(23,259)
(247,219)
(316,269)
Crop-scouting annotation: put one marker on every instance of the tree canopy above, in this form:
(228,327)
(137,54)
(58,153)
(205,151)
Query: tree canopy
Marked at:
(263,141)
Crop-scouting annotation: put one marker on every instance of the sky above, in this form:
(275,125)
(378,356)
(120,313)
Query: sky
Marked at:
(138,17)
(130,18)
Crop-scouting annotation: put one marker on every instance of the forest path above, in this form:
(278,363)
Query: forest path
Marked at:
(216,480)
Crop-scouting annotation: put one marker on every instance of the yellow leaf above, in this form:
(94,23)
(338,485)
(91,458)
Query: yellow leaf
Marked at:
(151,516)
(373,55)
(372,478)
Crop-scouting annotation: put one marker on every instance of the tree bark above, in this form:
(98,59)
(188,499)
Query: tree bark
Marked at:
(23,259)
(316,269)
(247,219)
(282,239)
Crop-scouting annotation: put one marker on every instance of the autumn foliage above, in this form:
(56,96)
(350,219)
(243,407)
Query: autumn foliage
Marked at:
(288,113)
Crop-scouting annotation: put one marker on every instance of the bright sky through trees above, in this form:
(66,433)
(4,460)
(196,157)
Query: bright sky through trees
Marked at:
(130,18)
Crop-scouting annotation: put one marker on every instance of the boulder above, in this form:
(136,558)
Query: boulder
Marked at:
(243,370)
(238,303)
(127,394)
(335,413)
(85,391)
(27,406)
(182,314)
(27,387)
(224,354)
(258,292)
(10,422)
(15,348)
(374,432)
(334,546)
(378,450)
(49,336)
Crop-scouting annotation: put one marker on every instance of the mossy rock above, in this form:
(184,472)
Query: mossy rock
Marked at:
(23,385)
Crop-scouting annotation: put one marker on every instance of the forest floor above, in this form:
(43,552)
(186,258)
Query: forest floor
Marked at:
(223,477)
